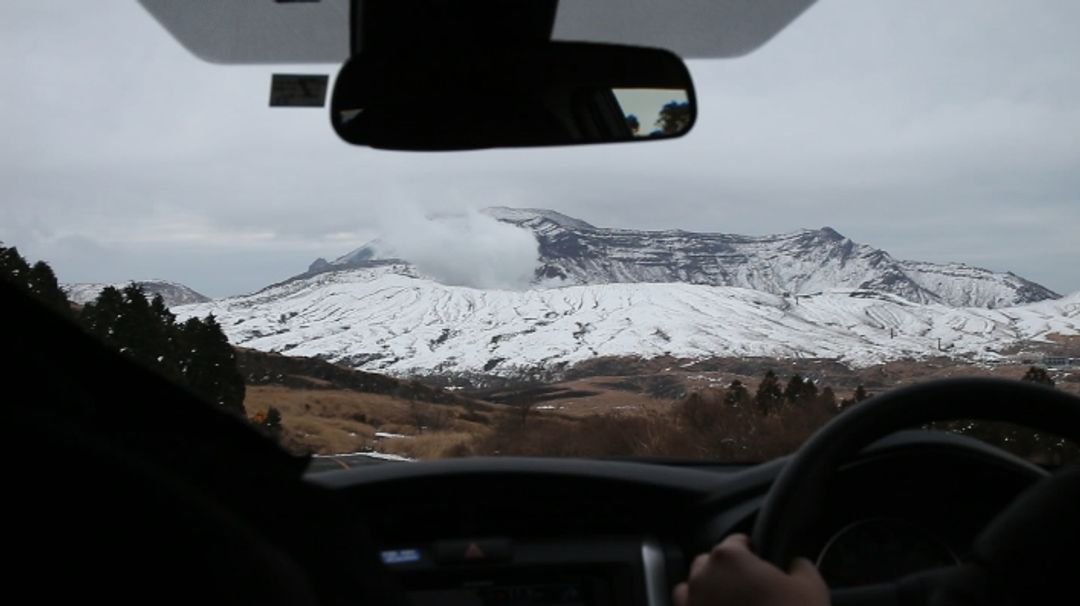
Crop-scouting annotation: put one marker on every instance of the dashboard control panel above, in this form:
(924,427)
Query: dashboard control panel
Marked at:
(501,571)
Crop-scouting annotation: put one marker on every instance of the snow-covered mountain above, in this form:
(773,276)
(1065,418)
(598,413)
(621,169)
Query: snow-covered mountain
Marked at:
(390,319)
(616,292)
(573,252)
(172,293)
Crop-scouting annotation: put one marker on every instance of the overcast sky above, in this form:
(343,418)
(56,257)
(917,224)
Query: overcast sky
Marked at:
(939,131)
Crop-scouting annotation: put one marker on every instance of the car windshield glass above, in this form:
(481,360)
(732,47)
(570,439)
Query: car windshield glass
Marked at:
(881,194)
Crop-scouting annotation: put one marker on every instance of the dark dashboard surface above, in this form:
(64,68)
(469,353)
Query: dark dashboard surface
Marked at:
(907,502)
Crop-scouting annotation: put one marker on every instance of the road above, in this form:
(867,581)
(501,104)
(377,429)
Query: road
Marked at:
(323,463)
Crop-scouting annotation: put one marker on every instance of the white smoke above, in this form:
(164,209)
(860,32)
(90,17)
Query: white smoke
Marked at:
(462,249)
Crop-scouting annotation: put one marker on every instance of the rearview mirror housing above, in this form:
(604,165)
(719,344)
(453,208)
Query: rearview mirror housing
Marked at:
(558,93)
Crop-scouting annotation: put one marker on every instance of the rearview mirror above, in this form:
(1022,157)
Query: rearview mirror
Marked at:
(556,94)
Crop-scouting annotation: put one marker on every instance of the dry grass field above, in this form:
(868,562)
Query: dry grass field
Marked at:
(673,408)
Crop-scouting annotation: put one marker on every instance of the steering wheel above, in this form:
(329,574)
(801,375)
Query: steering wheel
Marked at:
(794,504)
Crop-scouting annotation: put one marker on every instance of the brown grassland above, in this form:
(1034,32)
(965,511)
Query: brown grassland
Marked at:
(654,408)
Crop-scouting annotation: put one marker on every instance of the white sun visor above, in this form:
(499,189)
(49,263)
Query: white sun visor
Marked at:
(317,31)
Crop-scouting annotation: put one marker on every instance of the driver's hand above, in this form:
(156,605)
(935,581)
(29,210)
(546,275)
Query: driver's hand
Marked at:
(732,575)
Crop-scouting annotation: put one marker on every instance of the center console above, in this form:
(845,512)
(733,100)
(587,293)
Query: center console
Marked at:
(499,571)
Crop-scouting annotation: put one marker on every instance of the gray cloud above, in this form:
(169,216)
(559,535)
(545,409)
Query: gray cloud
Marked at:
(463,249)
(938,131)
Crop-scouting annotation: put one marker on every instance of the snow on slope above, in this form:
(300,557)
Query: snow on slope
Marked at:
(804,261)
(384,319)
(172,293)
(573,252)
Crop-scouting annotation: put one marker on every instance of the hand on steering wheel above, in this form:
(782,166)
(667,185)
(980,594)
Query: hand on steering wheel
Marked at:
(732,574)
(1034,536)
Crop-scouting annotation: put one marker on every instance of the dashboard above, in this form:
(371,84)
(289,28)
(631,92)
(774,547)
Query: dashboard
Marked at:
(510,531)
(598,571)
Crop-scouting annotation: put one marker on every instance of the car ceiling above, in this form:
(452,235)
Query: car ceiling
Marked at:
(317,31)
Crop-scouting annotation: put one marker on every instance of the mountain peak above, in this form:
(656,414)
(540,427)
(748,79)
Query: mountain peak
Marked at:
(830,233)
(574,252)
(521,216)
(808,260)
(367,252)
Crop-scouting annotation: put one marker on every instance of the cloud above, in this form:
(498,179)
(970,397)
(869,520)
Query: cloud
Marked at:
(462,249)
(938,131)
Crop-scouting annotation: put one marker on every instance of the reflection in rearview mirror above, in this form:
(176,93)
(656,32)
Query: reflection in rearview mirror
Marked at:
(655,112)
(555,94)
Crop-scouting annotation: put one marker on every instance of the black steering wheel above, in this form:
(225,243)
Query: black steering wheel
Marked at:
(794,504)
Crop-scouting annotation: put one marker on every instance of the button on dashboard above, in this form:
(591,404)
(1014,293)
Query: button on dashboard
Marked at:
(473,551)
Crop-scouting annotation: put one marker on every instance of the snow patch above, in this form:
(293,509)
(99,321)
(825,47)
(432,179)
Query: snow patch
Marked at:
(382,456)
(379,320)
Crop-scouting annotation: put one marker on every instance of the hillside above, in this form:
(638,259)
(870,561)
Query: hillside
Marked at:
(573,252)
(379,319)
(172,293)
(327,409)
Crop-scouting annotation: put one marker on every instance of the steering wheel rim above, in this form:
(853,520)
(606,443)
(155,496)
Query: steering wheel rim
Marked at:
(794,503)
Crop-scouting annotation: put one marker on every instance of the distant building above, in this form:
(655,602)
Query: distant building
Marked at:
(1060,362)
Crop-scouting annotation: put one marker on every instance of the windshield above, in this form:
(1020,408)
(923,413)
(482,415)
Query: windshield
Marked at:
(882,194)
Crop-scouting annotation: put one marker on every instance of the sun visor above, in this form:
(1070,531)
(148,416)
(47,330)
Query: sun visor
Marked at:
(257,31)
(689,28)
(317,31)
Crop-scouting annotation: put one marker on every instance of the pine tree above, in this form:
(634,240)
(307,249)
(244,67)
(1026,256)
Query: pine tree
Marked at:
(14,268)
(208,364)
(137,331)
(195,354)
(736,394)
(769,396)
(827,398)
(1038,375)
(168,345)
(273,421)
(38,281)
(800,390)
(793,391)
(273,418)
(99,317)
(161,311)
(42,284)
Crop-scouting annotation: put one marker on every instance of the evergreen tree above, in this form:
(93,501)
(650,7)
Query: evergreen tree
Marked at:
(861,394)
(168,343)
(737,394)
(99,317)
(273,419)
(195,354)
(209,364)
(161,312)
(793,391)
(38,281)
(14,268)
(1038,375)
(800,390)
(42,284)
(769,395)
(270,422)
(137,331)
(827,399)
